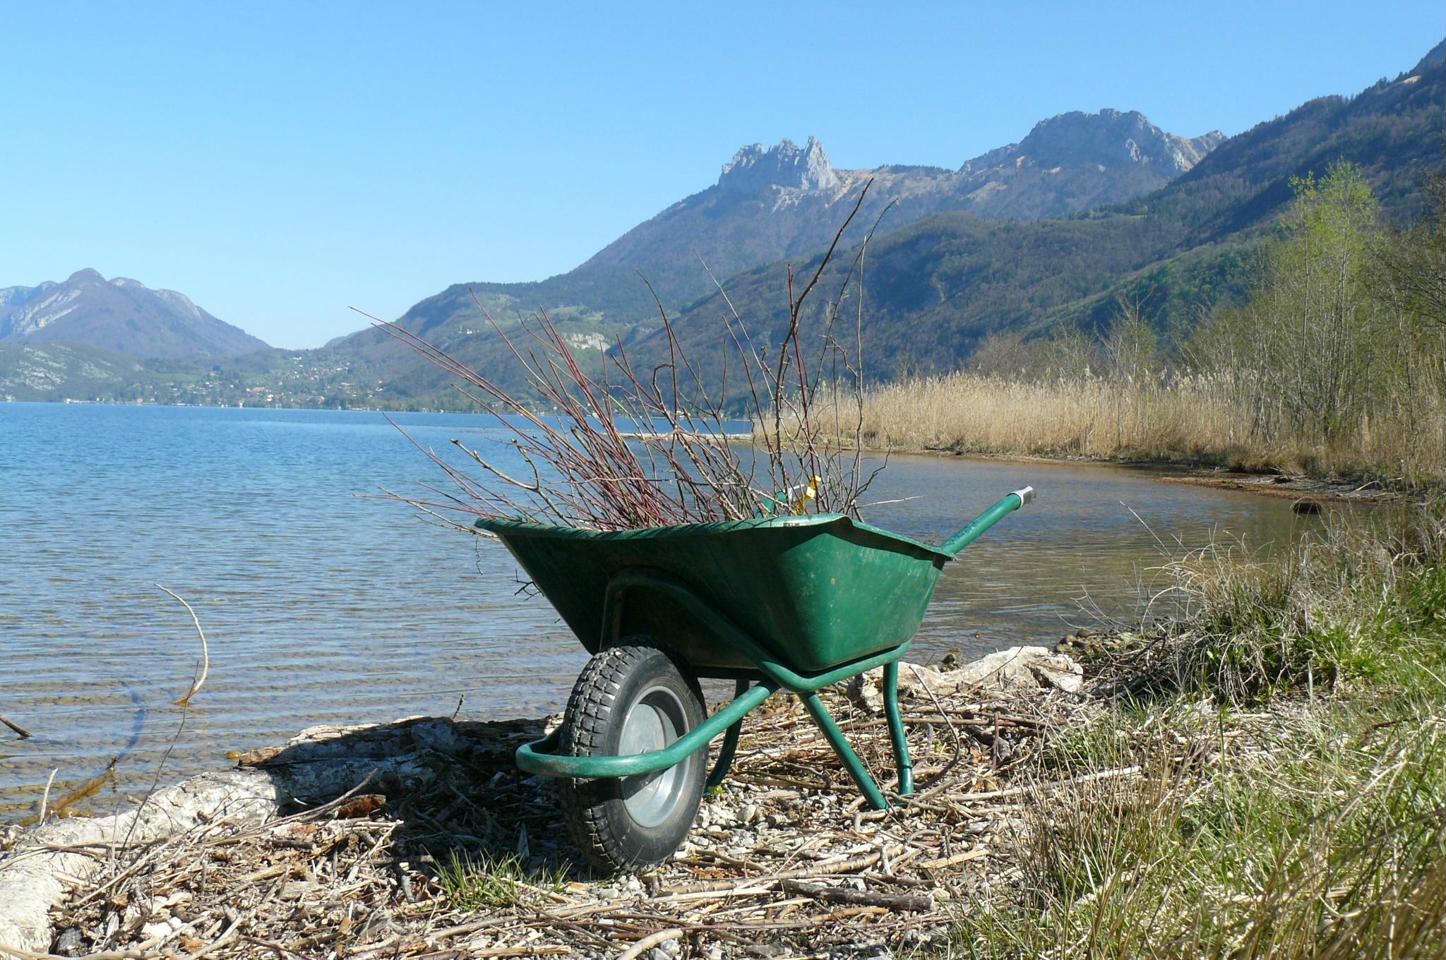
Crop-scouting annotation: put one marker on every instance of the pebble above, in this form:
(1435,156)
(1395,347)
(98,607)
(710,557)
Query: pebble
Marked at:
(69,943)
(161,928)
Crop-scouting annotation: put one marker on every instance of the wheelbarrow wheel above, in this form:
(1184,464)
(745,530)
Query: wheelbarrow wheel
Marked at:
(632,699)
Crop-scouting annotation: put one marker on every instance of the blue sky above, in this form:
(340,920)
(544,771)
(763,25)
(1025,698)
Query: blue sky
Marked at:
(278,162)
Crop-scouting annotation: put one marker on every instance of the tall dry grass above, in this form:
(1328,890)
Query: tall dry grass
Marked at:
(1199,419)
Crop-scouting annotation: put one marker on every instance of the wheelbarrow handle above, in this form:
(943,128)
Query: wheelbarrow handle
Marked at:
(1006,505)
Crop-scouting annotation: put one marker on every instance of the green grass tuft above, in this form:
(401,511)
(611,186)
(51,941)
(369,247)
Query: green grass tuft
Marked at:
(474,882)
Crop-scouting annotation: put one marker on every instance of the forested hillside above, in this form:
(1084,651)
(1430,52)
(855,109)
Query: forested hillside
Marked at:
(935,289)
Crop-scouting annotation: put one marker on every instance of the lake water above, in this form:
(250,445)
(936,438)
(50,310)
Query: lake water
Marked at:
(322,606)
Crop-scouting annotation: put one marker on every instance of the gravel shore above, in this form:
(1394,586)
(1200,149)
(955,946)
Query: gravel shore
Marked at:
(420,838)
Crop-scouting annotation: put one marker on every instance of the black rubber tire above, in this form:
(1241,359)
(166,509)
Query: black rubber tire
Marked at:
(596,811)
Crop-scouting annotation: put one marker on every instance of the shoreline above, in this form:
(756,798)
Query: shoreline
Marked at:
(1270,481)
(428,825)
(1266,482)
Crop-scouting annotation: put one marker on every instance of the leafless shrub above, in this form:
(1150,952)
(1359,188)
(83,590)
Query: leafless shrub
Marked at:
(628,446)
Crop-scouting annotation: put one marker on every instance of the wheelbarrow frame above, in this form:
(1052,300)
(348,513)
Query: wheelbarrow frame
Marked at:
(766,675)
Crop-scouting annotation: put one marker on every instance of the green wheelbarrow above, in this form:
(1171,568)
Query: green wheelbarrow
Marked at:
(788,602)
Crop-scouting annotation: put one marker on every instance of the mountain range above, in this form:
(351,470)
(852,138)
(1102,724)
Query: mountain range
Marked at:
(785,202)
(942,275)
(771,205)
(119,315)
(1085,209)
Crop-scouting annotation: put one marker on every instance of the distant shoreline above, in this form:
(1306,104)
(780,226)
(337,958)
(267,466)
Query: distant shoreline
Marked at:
(1198,472)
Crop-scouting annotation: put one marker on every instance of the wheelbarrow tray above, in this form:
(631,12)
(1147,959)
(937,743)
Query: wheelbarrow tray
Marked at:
(816,591)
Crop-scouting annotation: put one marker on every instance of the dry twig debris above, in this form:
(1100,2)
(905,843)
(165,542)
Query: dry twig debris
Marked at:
(450,851)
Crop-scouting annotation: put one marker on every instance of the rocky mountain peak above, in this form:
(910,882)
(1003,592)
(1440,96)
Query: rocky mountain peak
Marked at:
(86,275)
(1112,138)
(754,168)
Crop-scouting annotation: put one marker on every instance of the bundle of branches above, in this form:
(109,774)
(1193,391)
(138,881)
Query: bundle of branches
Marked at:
(625,448)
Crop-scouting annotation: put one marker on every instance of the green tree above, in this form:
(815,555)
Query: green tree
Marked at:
(1305,351)
(1131,349)
(1327,324)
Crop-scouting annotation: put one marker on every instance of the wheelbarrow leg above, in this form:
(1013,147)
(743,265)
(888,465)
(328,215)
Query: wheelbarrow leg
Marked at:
(730,741)
(896,729)
(845,752)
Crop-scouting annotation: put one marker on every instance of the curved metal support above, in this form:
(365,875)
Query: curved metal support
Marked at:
(730,742)
(846,753)
(540,756)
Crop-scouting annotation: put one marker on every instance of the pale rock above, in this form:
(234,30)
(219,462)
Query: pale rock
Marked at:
(31,883)
(320,763)
(161,928)
(1059,671)
(1012,667)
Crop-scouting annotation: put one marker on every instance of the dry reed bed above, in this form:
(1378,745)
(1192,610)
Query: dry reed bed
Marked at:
(471,860)
(1197,419)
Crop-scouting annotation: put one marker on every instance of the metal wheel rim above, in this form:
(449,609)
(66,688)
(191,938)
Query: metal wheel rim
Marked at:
(655,719)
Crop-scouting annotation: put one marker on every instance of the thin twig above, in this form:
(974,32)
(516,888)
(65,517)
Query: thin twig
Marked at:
(45,797)
(650,941)
(205,651)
